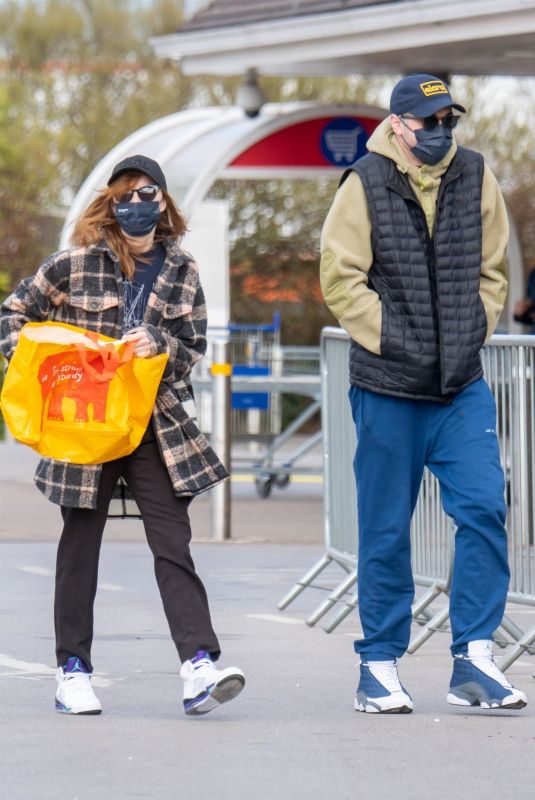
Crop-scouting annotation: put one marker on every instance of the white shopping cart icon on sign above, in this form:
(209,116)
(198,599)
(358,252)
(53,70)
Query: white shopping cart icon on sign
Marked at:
(343,143)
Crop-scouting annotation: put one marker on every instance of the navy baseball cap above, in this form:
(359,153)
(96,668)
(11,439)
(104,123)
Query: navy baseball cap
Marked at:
(140,164)
(421,95)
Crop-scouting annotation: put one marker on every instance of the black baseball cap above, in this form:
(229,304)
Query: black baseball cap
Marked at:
(422,96)
(140,164)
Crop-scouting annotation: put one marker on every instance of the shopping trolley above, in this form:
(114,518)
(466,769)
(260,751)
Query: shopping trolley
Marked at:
(262,371)
(254,352)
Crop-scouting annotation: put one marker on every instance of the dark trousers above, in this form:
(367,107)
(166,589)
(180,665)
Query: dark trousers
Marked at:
(168,532)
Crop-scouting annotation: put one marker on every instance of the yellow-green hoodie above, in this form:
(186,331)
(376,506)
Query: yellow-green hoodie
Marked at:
(346,252)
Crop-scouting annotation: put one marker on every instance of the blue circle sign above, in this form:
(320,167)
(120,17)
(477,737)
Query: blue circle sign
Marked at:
(343,140)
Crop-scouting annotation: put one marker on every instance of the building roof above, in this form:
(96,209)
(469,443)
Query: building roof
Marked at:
(330,37)
(227,13)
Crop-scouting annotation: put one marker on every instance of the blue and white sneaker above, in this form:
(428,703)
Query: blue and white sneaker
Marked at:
(74,694)
(380,691)
(477,681)
(206,686)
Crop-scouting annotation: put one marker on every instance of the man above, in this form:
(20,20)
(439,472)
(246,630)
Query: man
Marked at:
(413,267)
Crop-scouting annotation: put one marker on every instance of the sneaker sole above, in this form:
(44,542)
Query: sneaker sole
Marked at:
(222,692)
(458,700)
(372,708)
(61,709)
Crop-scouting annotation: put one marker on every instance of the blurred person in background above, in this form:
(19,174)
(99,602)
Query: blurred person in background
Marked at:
(524,310)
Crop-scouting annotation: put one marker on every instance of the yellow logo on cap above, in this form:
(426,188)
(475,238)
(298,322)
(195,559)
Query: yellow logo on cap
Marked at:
(430,88)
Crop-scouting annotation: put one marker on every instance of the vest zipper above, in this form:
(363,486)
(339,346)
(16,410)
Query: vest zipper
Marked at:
(433,261)
(431,267)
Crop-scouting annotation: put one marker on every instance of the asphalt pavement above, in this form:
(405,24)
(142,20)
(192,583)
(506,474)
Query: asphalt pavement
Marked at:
(291,734)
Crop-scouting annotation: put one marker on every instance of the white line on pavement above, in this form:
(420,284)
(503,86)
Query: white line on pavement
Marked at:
(111,587)
(108,587)
(275,618)
(25,669)
(37,570)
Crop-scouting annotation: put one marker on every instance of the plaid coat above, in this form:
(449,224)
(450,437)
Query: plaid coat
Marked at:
(84,286)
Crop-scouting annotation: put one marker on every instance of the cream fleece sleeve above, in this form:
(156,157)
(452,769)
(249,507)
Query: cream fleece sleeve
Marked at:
(346,257)
(495,235)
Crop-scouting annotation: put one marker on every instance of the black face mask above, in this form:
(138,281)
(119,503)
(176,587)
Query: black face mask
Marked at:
(432,145)
(137,219)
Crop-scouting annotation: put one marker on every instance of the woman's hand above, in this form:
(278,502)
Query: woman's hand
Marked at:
(140,338)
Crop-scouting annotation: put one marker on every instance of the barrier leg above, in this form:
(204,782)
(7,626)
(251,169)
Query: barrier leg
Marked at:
(517,650)
(349,606)
(305,448)
(510,628)
(429,629)
(423,616)
(420,606)
(305,581)
(333,598)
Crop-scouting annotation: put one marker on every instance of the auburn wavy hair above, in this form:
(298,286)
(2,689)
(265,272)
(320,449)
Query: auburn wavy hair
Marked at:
(98,222)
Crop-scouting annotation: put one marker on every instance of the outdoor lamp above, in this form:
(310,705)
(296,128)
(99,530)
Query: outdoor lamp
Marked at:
(250,96)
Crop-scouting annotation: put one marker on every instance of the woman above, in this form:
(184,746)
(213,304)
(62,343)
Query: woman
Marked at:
(126,277)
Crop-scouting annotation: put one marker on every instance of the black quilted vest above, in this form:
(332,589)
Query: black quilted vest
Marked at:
(433,320)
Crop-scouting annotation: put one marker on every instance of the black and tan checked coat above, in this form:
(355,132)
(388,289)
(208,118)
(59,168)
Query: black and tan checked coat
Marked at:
(84,286)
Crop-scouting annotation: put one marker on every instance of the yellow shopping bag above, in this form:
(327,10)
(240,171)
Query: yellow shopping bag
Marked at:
(78,396)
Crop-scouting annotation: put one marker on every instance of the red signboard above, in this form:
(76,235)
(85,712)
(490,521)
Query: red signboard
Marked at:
(323,142)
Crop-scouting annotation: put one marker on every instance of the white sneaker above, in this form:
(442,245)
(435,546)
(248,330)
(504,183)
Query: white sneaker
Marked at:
(206,686)
(74,694)
(477,681)
(380,691)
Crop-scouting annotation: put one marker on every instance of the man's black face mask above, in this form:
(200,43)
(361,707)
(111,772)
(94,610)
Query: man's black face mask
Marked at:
(432,146)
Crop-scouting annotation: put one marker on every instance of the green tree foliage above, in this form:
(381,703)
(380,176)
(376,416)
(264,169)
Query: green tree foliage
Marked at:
(24,193)
(86,74)
(275,233)
(78,76)
(500,123)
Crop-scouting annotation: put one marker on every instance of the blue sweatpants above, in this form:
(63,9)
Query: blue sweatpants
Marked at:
(396,438)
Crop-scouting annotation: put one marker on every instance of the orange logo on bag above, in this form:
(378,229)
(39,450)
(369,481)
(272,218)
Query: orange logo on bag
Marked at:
(66,398)
(431,88)
(63,375)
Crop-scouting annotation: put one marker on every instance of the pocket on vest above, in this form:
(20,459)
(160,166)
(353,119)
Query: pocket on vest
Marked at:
(399,340)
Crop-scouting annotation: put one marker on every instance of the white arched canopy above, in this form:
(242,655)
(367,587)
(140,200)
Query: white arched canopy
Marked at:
(197,146)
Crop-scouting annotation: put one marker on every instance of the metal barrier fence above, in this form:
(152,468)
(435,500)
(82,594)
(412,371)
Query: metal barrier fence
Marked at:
(271,360)
(509,364)
(254,351)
